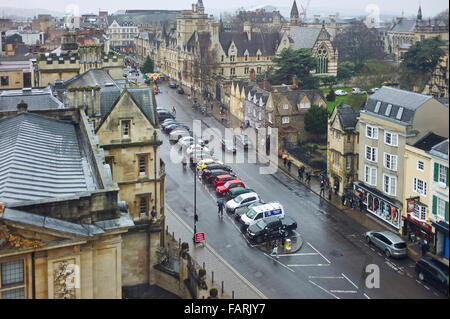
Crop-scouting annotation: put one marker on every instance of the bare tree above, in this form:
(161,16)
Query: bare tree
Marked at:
(204,63)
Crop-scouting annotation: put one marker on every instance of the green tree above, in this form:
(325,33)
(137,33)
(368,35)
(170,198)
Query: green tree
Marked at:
(346,70)
(419,62)
(328,81)
(316,119)
(148,66)
(291,62)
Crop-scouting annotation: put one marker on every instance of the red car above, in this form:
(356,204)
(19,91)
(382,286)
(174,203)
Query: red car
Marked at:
(222,179)
(229,185)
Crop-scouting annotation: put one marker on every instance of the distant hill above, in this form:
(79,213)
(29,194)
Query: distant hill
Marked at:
(8,12)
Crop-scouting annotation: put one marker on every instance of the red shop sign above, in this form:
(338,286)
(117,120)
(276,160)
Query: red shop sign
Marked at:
(199,237)
(420,224)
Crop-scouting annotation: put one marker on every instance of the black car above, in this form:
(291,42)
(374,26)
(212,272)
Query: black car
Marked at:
(271,228)
(163,115)
(211,176)
(213,165)
(434,272)
(180,90)
(172,84)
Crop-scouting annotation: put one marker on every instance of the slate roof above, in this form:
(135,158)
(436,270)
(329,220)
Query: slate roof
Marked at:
(404,25)
(347,116)
(41,158)
(91,77)
(440,150)
(428,141)
(409,101)
(266,42)
(304,37)
(37,99)
(108,97)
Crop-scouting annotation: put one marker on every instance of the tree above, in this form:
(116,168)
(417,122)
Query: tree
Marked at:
(291,62)
(358,43)
(316,119)
(443,17)
(419,62)
(328,81)
(204,63)
(346,70)
(148,66)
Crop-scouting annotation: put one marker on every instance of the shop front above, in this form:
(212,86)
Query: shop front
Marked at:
(441,242)
(379,205)
(415,226)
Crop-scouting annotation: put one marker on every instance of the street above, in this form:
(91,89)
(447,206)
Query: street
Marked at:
(334,254)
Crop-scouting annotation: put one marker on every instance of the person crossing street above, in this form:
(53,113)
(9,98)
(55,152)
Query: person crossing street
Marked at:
(220,205)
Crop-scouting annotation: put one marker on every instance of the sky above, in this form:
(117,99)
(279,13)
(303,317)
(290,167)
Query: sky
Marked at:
(429,7)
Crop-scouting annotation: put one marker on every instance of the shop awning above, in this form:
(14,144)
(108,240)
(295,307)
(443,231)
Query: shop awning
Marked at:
(379,194)
(441,226)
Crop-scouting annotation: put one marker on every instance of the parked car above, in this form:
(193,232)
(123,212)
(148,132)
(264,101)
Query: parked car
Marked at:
(168,122)
(197,148)
(234,192)
(390,243)
(169,128)
(195,157)
(215,166)
(178,133)
(210,176)
(180,90)
(340,92)
(173,84)
(373,90)
(271,228)
(243,141)
(434,272)
(241,200)
(222,179)
(228,145)
(204,163)
(222,189)
(163,115)
(356,91)
(243,210)
(261,212)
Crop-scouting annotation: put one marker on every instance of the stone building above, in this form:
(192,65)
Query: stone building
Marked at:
(15,74)
(392,119)
(121,35)
(342,148)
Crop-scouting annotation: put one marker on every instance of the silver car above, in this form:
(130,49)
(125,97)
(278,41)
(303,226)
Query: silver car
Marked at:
(390,243)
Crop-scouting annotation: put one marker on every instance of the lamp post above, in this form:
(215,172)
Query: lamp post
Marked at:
(154,160)
(195,189)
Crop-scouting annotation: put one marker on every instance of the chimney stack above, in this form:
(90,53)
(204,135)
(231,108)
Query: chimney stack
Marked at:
(252,75)
(295,82)
(22,106)
(265,84)
(248,30)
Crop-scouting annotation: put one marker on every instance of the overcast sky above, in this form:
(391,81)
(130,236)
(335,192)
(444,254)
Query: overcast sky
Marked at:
(429,7)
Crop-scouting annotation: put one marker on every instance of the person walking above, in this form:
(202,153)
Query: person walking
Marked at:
(308,177)
(284,160)
(212,106)
(220,205)
(330,192)
(300,172)
(322,188)
(289,163)
(275,249)
(425,247)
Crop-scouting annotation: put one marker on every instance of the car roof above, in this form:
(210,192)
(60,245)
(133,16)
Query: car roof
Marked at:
(268,206)
(436,263)
(391,236)
(224,175)
(249,194)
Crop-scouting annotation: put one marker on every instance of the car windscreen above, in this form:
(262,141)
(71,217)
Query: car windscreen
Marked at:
(400,245)
(261,223)
(238,199)
(226,184)
(251,213)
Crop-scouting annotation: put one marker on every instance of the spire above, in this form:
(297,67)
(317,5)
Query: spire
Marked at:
(294,14)
(419,13)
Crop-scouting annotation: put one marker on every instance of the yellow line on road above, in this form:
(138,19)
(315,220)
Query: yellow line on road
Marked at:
(259,293)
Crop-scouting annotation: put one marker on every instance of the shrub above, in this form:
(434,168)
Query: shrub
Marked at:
(331,96)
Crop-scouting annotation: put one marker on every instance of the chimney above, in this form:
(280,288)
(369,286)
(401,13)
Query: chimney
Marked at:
(295,82)
(248,30)
(22,106)
(265,84)
(252,75)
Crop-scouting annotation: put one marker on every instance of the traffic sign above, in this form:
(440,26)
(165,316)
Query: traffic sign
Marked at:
(199,237)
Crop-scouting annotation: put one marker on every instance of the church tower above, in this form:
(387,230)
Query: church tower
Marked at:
(200,7)
(294,14)
(419,14)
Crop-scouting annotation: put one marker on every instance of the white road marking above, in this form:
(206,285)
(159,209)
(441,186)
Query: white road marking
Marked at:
(324,277)
(366,296)
(427,288)
(418,282)
(344,291)
(319,253)
(350,281)
(309,265)
(372,248)
(274,259)
(299,254)
(324,290)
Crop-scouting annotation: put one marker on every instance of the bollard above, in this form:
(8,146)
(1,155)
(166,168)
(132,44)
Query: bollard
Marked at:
(204,265)
(167,229)
(212,277)
(288,244)
(222,287)
(173,234)
(179,242)
(232,294)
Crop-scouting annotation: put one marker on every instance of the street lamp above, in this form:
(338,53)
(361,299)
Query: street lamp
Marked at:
(195,189)
(154,160)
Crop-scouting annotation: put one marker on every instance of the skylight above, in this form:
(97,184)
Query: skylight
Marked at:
(399,114)
(388,110)
(377,107)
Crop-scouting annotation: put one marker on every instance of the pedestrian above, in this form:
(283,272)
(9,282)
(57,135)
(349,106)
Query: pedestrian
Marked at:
(284,160)
(300,172)
(425,247)
(289,163)
(322,188)
(275,249)
(189,97)
(343,200)
(361,205)
(308,177)
(330,192)
(212,106)
(336,186)
(220,205)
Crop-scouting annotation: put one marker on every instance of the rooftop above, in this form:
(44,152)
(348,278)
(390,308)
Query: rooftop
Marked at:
(37,99)
(427,142)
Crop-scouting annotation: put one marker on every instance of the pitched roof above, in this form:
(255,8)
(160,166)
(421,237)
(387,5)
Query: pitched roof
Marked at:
(348,117)
(37,99)
(91,77)
(403,103)
(404,25)
(428,141)
(440,150)
(41,158)
(304,37)
(266,42)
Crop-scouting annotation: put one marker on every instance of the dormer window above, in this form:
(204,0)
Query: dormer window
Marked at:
(259,56)
(246,57)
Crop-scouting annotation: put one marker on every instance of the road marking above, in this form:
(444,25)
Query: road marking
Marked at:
(325,277)
(418,282)
(319,253)
(308,265)
(274,259)
(324,290)
(427,288)
(252,287)
(372,248)
(366,296)
(350,281)
(344,291)
(299,254)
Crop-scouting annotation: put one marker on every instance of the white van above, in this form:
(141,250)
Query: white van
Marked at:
(356,91)
(262,211)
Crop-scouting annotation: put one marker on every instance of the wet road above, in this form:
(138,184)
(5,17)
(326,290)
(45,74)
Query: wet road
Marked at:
(334,254)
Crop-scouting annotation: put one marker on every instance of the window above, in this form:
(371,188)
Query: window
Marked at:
(399,113)
(259,57)
(371,153)
(232,71)
(142,163)
(390,184)
(443,173)
(246,70)
(370,175)
(258,69)
(348,162)
(222,59)
(231,58)
(4,80)
(390,161)
(390,138)
(12,284)
(377,107)
(336,159)
(420,166)
(420,212)
(388,110)
(372,132)
(419,186)
(269,117)
(126,129)
(110,161)
(143,205)
(285,119)
(440,207)
(285,106)
(322,60)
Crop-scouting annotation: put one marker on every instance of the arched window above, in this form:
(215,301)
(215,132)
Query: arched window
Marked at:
(322,60)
